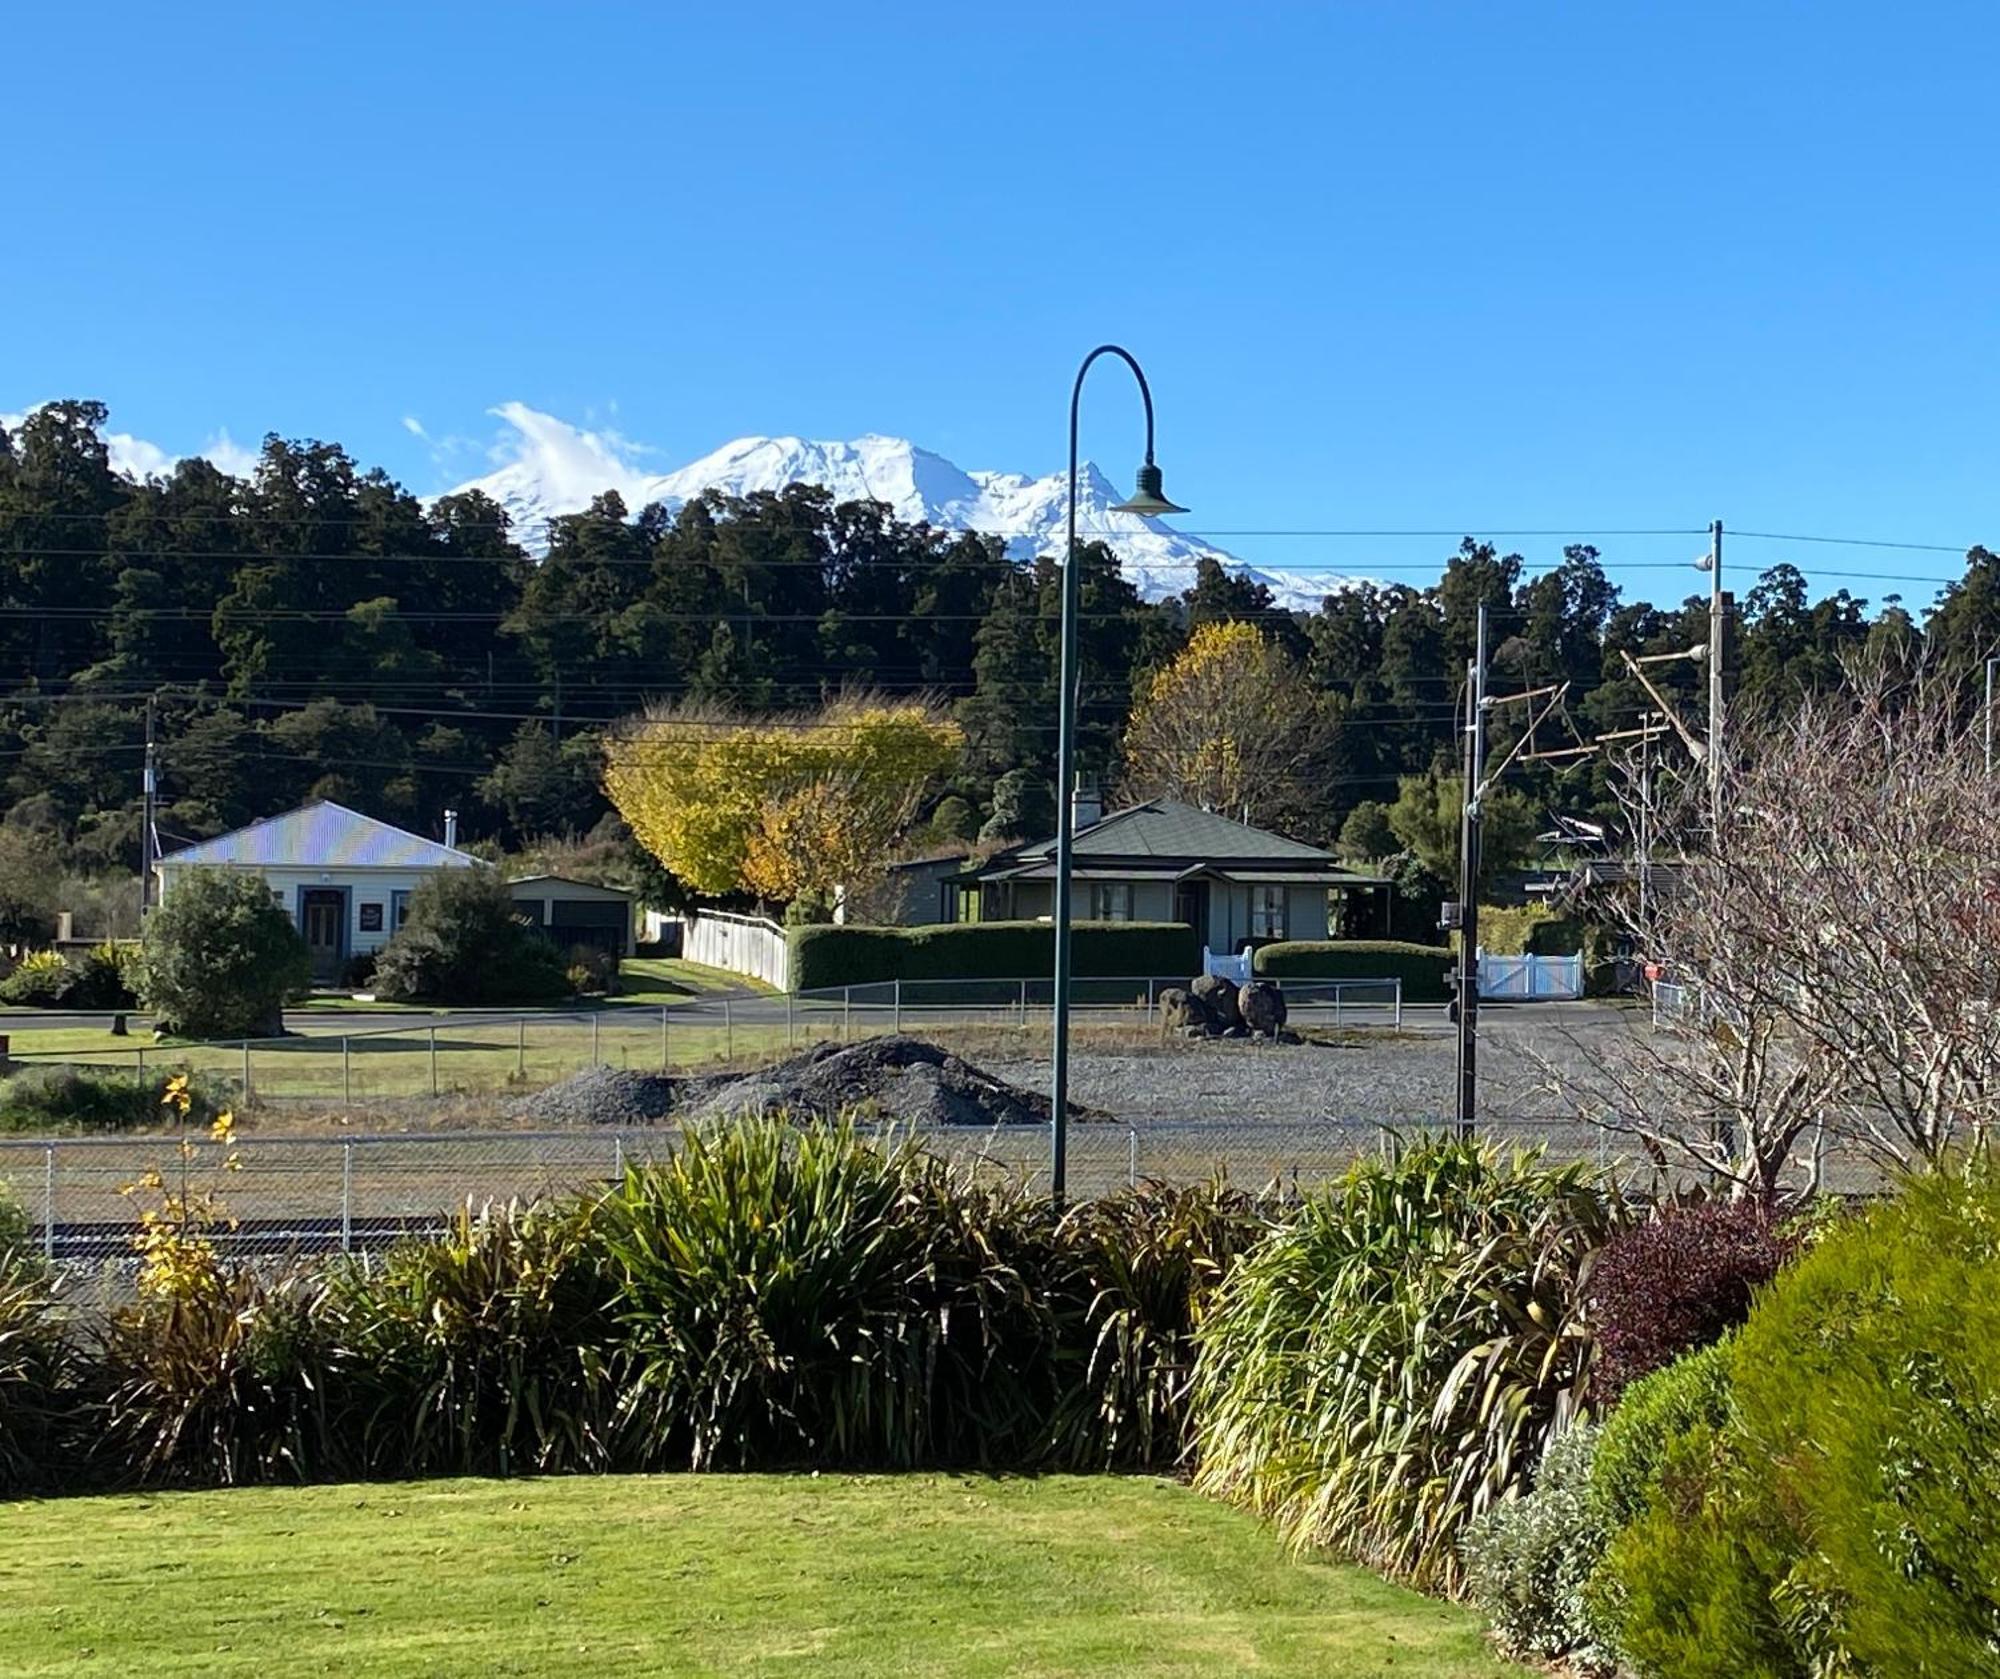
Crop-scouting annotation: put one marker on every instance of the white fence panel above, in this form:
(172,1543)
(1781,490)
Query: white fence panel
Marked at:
(742,944)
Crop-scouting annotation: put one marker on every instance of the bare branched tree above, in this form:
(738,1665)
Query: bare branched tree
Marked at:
(1833,951)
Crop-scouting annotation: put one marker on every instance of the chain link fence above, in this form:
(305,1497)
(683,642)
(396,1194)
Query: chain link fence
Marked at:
(474,1054)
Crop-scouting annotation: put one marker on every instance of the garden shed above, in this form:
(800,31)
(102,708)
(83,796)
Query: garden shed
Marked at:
(573,913)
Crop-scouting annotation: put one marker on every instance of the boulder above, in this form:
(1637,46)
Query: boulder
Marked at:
(1183,1011)
(1262,1006)
(1219,996)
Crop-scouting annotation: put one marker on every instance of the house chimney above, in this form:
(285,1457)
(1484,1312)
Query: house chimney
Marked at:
(451,829)
(1086,806)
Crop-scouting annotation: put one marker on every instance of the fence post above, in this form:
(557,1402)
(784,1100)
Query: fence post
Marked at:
(347,1195)
(1132,1157)
(788,1020)
(617,1156)
(49,1204)
(846,1013)
(521,1048)
(666,1060)
(346,1070)
(1399,1004)
(898,984)
(596,1059)
(1339,997)
(1024,1005)
(728,1032)
(142,1063)
(246,1071)
(434,1060)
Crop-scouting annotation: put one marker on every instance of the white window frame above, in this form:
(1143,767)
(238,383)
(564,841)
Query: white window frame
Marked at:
(1110,900)
(1270,911)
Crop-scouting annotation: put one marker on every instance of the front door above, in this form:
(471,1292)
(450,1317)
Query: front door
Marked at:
(1191,906)
(323,920)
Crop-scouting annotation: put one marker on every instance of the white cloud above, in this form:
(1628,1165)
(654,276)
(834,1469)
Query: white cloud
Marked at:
(415,427)
(573,463)
(232,457)
(138,457)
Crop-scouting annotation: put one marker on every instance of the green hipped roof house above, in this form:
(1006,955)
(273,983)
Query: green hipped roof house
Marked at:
(1166,861)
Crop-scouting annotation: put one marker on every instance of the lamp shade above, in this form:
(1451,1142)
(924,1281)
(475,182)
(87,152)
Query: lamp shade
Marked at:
(1148,498)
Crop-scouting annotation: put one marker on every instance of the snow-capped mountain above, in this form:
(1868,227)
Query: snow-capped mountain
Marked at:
(558,469)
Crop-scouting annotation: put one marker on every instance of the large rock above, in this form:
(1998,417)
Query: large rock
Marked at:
(1183,1011)
(1262,1006)
(1219,997)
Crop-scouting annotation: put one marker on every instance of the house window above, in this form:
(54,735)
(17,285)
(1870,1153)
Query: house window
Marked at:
(399,909)
(1111,900)
(1267,912)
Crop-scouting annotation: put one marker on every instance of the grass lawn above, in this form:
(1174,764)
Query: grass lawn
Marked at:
(662,979)
(892,1576)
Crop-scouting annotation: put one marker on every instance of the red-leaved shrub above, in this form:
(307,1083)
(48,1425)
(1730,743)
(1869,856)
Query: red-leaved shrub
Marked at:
(1681,1281)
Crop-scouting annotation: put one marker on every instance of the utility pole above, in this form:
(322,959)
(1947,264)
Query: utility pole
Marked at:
(1715,638)
(149,804)
(1468,884)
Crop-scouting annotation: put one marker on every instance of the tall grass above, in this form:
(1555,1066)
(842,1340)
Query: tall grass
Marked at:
(1393,1361)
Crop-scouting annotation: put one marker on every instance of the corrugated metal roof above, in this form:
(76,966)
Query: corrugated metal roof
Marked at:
(321,835)
(564,880)
(1166,828)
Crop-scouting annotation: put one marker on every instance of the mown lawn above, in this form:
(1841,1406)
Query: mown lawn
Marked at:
(891,1576)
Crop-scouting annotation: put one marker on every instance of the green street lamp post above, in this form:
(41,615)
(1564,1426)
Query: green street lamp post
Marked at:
(1146,499)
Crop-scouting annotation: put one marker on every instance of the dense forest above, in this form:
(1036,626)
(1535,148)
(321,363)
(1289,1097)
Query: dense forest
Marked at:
(317,630)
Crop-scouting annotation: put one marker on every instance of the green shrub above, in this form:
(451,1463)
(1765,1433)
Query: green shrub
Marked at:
(221,958)
(1843,1519)
(38,1404)
(484,1353)
(41,980)
(14,1229)
(464,943)
(1529,930)
(1421,967)
(823,958)
(773,1296)
(1657,1411)
(85,1099)
(99,978)
(1393,1362)
(1528,1560)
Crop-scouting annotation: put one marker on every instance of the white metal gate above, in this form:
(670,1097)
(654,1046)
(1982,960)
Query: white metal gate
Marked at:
(1530,979)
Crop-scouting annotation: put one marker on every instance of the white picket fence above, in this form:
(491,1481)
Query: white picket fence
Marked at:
(1530,979)
(739,944)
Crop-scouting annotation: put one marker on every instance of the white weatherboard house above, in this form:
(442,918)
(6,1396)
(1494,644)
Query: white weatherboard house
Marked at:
(344,877)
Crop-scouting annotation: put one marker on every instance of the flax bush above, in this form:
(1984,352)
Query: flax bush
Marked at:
(1393,1362)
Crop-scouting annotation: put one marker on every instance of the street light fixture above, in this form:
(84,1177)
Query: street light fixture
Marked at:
(1149,500)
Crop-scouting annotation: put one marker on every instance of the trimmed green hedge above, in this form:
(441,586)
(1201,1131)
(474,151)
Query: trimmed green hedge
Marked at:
(1421,967)
(823,957)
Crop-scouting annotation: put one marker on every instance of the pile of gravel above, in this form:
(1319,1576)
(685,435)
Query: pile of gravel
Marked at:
(601,1096)
(896,1078)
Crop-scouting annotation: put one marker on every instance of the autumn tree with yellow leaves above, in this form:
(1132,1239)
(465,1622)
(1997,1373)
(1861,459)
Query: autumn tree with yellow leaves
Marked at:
(786,807)
(1233,725)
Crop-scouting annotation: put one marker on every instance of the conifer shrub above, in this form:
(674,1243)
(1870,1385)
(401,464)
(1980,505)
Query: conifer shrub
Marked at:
(1845,1517)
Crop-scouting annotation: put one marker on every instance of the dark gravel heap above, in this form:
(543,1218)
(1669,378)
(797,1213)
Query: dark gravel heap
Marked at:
(601,1096)
(897,1078)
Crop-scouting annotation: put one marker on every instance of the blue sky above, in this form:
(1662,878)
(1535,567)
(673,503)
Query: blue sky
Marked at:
(1444,267)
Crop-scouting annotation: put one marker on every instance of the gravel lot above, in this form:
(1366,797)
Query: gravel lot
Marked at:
(1366,1077)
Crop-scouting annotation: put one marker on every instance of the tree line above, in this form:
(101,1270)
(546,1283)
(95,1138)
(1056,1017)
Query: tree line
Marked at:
(316,630)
